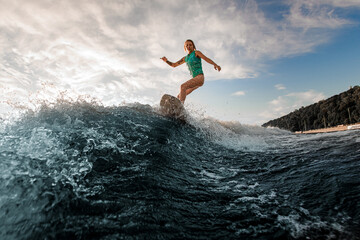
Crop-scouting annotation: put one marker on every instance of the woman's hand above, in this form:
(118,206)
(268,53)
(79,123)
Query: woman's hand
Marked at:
(217,67)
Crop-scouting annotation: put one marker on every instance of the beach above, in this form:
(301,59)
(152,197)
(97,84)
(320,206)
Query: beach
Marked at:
(331,129)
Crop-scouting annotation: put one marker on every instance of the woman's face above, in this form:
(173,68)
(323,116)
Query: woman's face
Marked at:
(189,46)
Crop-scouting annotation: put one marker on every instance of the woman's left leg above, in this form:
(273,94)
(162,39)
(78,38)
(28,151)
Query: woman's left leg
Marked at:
(189,86)
(188,91)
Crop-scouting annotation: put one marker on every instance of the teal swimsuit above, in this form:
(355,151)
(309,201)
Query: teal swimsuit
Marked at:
(194,64)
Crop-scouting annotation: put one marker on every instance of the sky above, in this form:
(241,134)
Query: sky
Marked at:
(276,55)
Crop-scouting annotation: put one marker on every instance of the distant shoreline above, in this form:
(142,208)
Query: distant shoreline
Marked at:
(341,110)
(331,129)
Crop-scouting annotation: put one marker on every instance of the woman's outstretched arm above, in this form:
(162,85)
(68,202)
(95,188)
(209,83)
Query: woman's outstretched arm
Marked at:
(208,60)
(178,63)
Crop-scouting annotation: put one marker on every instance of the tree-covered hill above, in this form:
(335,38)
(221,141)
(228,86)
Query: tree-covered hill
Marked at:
(343,108)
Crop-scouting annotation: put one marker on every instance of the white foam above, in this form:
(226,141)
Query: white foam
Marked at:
(238,137)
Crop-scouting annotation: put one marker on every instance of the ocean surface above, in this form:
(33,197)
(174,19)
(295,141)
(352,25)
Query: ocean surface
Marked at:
(81,170)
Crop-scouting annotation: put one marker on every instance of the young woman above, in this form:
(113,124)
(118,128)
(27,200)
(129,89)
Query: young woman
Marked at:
(193,61)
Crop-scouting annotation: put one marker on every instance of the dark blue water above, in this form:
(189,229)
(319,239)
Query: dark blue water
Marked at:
(83,171)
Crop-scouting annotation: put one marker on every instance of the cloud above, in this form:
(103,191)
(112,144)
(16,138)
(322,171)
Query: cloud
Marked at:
(311,14)
(336,3)
(238,93)
(113,47)
(280,87)
(283,105)
(309,96)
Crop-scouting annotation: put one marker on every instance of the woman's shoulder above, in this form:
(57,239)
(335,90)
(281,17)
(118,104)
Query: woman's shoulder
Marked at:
(198,53)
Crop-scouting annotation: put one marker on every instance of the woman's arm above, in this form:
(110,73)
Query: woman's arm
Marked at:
(208,60)
(181,61)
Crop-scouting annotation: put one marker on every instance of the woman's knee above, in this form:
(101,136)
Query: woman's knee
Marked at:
(183,87)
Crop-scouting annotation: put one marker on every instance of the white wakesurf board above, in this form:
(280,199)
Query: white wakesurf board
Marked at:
(171,106)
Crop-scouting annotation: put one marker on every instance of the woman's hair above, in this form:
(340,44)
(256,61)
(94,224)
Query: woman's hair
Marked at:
(189,40)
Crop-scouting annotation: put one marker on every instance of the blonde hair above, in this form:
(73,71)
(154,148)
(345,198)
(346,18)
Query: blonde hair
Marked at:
(189,40)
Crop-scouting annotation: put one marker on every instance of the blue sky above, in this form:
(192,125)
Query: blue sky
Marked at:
(276,56)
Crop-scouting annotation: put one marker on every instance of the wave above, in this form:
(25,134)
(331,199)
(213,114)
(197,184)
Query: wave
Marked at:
(74,163)
(62,142)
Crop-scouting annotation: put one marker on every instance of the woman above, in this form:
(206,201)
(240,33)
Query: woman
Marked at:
(193,61)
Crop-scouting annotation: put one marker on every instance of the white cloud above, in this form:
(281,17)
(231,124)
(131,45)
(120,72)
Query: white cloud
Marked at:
(238,93)
(311,14)
(336,3)
(283,105)
(309,96)
(280,87)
